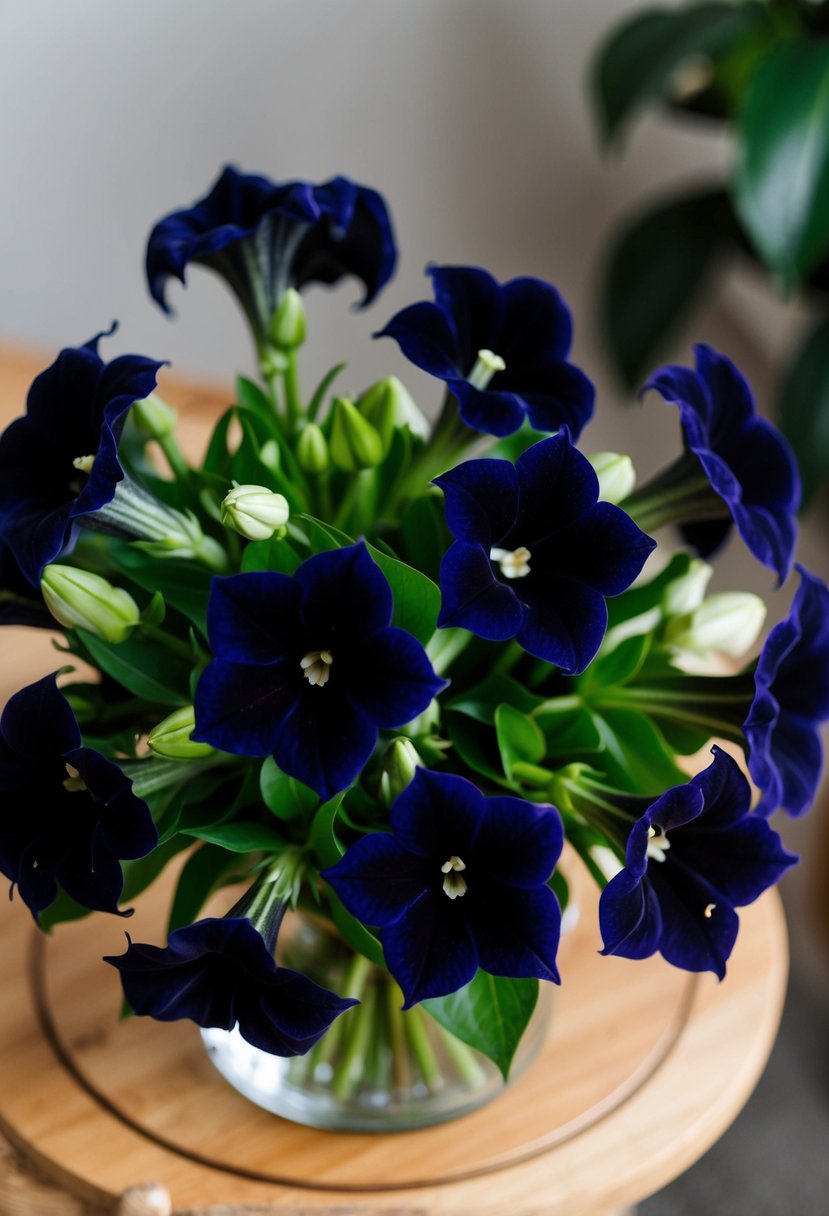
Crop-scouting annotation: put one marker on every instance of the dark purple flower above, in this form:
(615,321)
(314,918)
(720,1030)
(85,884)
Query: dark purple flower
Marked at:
(309,668)
(219,972)
(460,883)
(501,350)
(695,855)
(745,459)
(20,603)
(69,815)
(60,460)
(264,237)
(535,553)
(791,699)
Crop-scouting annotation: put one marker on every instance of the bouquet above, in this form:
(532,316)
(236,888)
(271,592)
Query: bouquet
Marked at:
(380,670)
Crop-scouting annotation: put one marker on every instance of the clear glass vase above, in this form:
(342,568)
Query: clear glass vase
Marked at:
(378,1068)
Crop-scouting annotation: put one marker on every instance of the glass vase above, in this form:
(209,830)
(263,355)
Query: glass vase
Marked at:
(378,1068)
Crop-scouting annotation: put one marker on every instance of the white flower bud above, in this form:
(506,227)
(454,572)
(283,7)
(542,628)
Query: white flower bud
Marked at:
(616,474)
(726,624)
(687,593)
(254,511)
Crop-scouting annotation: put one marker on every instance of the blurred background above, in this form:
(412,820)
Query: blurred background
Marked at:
(473,119)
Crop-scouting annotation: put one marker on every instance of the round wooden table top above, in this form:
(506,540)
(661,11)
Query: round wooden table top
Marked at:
(644,1067)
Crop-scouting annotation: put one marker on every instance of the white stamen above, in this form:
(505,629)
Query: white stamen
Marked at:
(453,883)
(316,667)
(486,365)
(709,911)
(514,563)
(84,463)
(73,781)
(658,843)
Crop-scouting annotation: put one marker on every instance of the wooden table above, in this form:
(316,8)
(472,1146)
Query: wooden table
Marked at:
(643,1070)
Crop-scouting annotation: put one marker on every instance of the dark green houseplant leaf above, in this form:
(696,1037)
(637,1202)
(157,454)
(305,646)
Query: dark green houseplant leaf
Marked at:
(804,409)
(781,183)
(490,1014)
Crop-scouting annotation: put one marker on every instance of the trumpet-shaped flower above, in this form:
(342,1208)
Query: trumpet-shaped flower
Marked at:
(309,668)
(220,972)
(744,458)
(264,238)
(60,460)
(501,350)
(791,700)
(459,883)
(69,816)
(536,553)
(695,855)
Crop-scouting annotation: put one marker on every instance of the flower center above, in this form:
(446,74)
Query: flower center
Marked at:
(83,464)
(708,911)
(486,365)
(514,563)
(316,667)
(454,884)
(73,782)
(658,843)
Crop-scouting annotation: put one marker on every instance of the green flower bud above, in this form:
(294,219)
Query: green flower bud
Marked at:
(616,475)
(171,738)
(355,444)
(254,511)
(389,404)
(312,450)
(399,764)
(288,325)
(154,417)
(82,600)
(726,624)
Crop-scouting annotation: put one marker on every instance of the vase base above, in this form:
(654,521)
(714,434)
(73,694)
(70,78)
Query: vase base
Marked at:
(308,1090)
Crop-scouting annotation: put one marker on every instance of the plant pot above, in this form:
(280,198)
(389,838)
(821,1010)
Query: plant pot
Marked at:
(379,1068)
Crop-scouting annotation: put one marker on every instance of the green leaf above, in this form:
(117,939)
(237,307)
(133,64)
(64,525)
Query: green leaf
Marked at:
(416,597)
(635,755)
(273,554)
(240,837)
(322,537)
(638,63)
(155,611)
(519,738)
(490,1014)
(198,878)
(481,701)
(185,586)
(618,667)
(425,535)
(251,397)
(656,272)
(781,184)
(571,733)
(284,796)
(323,837)
(804,409)
(145,670)
(354,932)
(476,745)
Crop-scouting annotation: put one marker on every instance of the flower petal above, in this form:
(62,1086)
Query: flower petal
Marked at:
(240,708)
(377,878)
(430,949)
(254,618)
(473,598)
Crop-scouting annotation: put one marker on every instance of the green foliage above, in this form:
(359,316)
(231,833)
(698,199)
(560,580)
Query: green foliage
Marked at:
(804,408)
(781,184)
(148,671)
(657,271)
(638,63)
(284,796)
(490,1014)
(199,877)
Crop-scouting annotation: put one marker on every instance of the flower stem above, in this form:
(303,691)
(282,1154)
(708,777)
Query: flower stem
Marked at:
(463,1058)
(182,650)
(174,457)
(401,1071)
(350,1068)
(417,1031)
(293,397)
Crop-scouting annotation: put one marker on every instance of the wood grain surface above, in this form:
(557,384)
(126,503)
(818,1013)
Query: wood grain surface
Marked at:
(643,1069)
